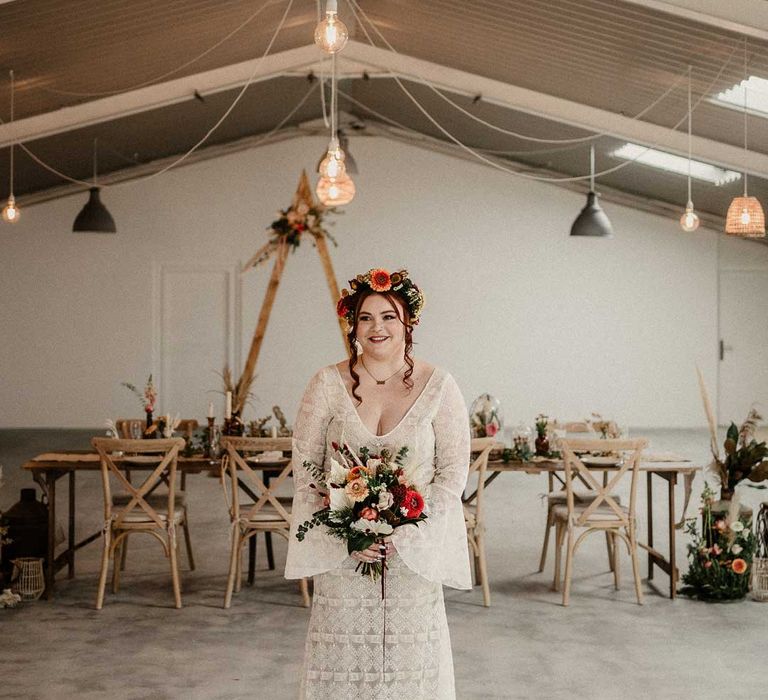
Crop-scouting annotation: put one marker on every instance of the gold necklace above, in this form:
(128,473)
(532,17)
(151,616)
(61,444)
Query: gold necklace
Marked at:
(381,381)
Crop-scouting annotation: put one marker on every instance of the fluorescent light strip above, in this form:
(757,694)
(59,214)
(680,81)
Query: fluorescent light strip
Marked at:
(757,96)
(676,164)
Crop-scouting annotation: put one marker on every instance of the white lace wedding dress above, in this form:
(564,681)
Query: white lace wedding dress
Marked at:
(344,658)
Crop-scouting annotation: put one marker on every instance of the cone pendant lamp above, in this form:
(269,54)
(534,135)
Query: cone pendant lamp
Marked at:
(592,220)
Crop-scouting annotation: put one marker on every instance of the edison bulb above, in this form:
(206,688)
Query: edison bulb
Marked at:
(689,221)
(337,192)
(332,166)
(331,34)
(11,212)
(745,218)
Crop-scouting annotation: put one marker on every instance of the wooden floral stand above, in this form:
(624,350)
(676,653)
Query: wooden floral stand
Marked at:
(280,248)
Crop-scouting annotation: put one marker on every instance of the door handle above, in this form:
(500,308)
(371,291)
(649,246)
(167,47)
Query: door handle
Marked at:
(724,348)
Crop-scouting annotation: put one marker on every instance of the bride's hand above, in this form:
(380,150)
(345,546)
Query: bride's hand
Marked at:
(374,554)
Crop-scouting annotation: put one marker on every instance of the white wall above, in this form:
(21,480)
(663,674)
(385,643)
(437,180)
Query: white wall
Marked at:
(514,306)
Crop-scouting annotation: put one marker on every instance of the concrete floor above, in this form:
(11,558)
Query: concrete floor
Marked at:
(525,646)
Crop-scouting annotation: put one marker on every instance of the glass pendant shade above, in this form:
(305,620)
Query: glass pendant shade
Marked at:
(332,165)
(94,216)
(335,193)
(689,221)
(331,34)
(11,213)
(592,220)
(745,218)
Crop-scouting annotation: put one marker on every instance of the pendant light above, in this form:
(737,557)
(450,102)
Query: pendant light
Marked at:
(592,220)
(94,216)
(11,213)
(331,33)
(745,215)
(689,221)
(334,188)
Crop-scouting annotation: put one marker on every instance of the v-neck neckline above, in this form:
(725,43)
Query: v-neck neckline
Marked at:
(405,415)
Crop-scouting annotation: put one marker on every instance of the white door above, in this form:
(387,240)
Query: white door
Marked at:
(743,345)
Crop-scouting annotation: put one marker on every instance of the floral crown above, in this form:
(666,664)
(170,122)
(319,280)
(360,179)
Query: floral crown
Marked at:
(379,280)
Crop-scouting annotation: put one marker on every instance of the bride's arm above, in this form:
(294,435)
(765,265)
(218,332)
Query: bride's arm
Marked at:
(318,552)
(437,548)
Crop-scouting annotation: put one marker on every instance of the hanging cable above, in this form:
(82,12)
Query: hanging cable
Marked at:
(420,79)
(156,79)
(498,166)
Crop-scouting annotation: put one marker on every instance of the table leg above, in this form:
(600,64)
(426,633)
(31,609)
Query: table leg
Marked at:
(270,555)
(50,570)
(71,552)
(649,502)
(251,560)
(671,483)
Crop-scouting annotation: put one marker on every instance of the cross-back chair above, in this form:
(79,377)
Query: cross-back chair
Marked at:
(130,509)
(556,491)
(265,512)
(599,511)
(186,427)
(474,512)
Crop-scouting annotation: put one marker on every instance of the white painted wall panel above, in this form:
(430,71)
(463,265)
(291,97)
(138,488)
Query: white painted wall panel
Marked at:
(514,306)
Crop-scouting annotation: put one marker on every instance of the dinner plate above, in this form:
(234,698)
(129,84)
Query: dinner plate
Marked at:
(592,461)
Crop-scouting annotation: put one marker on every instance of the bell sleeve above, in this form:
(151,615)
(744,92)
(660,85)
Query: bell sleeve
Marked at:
(318,552)
(437,548)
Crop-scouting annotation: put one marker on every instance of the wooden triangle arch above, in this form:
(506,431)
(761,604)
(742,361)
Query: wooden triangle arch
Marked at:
(280,249)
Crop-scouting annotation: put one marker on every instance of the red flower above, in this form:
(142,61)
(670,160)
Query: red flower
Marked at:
(380,281)
(491,429)
(341,307)
(413,503)
(399,492)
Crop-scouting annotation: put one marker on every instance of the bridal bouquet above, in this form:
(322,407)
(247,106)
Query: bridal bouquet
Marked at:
(366,497)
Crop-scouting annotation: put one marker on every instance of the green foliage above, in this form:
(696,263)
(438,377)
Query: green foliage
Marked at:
(720,558)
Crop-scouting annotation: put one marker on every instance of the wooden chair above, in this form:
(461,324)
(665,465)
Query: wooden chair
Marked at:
(474,513)
(556,496)
(598,513)
(135,509)
(186,426)
(266,512)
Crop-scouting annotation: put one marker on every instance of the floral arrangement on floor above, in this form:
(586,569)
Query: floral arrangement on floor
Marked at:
(367,496)
(148,397)
(745,457)
(9,599)
(484,420)
(721,556)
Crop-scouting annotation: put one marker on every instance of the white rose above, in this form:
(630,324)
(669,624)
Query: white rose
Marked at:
(373,527)
(386,499)
(738,526)
(736,549)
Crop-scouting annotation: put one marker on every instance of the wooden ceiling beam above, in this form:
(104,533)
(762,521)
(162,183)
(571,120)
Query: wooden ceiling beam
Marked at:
(558,109)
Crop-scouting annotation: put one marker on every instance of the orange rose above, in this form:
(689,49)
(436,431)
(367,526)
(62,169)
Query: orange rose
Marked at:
(369,513)
(739,566)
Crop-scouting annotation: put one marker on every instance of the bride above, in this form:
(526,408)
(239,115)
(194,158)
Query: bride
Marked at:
(382,397)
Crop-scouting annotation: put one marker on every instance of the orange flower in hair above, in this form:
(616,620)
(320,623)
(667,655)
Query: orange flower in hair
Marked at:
(380,281)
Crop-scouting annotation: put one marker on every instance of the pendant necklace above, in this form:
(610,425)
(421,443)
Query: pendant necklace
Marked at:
(381,381)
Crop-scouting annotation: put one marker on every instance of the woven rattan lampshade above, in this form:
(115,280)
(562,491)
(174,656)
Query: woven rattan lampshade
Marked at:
(745,218)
